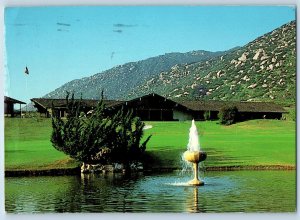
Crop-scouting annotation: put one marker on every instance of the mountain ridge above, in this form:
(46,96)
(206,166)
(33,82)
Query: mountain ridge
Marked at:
(262,70)
(114,82)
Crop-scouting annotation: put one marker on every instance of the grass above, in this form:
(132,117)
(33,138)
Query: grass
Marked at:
(256,142)
(28,146)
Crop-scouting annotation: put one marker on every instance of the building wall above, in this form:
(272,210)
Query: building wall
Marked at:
(9,109)
(181,116)
(213,115)
(154,114)
(157,108)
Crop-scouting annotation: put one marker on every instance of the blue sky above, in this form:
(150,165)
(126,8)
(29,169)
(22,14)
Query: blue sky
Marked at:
(59,44)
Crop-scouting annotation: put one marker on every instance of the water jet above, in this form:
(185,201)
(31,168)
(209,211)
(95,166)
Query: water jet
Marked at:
(194,154)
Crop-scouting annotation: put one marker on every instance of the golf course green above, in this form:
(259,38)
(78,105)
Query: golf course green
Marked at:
(251,143)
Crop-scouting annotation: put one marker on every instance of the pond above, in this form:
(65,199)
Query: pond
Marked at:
(231,191)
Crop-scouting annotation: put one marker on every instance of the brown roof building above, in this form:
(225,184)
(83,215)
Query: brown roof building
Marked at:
(158,108)
(44,105)
(247,110)
(9,106)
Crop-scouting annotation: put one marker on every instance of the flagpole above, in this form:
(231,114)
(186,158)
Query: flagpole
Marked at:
(26,96)
(27,73)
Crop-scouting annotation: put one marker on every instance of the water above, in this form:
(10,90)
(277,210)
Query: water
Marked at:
(194,144)
(235,191)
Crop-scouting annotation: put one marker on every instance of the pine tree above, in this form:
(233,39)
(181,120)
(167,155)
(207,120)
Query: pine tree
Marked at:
(99,138)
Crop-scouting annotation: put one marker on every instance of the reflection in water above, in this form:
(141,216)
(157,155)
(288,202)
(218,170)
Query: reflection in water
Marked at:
(196,200)
(95,193)
(193,201)
(237,191)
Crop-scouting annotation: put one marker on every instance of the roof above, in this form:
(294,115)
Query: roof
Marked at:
(47,103)
(177,104)
(11,100)
(212,105)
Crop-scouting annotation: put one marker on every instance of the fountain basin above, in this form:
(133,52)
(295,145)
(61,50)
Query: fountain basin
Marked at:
(194,156)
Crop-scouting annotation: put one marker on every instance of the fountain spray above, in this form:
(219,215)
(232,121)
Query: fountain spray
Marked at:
(193,154)
(193,144)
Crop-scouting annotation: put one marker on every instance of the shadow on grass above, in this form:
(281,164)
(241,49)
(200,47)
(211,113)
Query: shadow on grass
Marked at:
(167,159)
(171,159)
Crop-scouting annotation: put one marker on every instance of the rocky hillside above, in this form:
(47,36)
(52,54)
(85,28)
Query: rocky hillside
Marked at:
(118,81)
(264,69)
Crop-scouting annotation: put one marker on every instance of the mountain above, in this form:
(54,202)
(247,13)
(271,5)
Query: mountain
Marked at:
(117,82)
(264,69)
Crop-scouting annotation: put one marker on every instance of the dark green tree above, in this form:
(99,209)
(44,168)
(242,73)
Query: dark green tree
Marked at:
(66,134)
(129,132)
(206,115)
(99,138)
(228,115)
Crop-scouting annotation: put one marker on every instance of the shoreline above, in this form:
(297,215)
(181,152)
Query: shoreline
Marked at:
(76,170)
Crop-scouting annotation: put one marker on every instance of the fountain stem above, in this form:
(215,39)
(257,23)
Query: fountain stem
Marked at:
(195,166)
(196,181)
(195,157)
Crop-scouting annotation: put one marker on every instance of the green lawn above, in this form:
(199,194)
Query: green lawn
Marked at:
(28,146)
(257,142)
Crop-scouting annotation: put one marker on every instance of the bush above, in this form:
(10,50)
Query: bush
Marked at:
(228,115)
(292,114)
(206,115)
(99,138)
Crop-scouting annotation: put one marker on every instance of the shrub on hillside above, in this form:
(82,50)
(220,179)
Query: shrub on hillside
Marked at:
(99,138)
(228,115)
